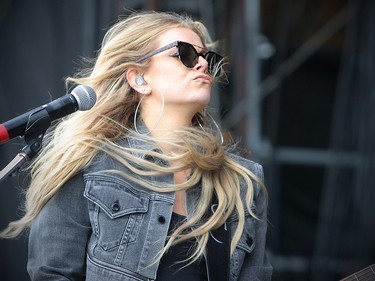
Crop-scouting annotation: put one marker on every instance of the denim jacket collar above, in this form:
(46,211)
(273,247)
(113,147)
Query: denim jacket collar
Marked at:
(135,141)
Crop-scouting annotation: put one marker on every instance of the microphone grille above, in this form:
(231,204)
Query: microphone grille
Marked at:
(85,96)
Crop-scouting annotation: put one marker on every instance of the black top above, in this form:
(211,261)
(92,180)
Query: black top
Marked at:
(170,267)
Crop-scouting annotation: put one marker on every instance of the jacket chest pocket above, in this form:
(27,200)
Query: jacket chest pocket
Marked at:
(116,211)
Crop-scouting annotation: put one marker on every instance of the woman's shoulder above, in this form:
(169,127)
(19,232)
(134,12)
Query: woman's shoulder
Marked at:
(104,157)
(259,190)
(249,164)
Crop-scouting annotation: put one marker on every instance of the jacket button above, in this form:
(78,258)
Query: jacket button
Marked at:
(161,219)
(116,206)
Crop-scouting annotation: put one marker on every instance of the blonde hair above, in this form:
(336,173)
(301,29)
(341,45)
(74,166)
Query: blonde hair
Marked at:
(72,145)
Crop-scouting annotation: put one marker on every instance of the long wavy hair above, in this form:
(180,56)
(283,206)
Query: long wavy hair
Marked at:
(73,143)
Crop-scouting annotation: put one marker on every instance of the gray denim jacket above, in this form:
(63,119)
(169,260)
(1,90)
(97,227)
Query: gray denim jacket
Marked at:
(100,227)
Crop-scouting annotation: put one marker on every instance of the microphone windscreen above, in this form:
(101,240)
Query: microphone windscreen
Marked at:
(85,96)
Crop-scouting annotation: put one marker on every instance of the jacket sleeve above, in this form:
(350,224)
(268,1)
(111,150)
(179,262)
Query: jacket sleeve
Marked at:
(59,234)
(256,265)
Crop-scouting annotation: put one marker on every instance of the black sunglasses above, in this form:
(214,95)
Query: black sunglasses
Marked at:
(189,56)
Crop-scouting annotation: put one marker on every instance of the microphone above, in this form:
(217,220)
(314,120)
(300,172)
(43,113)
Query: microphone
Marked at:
(82,97)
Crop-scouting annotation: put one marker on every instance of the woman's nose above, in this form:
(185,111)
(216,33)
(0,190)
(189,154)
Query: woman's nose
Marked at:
(202,64)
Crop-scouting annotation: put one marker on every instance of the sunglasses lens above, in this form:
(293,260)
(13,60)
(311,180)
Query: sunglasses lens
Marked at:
(215,63)
(188,55)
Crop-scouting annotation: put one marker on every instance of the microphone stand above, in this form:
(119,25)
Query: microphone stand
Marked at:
(37,125)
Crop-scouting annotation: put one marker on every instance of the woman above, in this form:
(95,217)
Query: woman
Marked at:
(140,187)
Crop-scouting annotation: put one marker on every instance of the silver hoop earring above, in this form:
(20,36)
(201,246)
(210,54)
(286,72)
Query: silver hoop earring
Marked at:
(157,122)
(216,125)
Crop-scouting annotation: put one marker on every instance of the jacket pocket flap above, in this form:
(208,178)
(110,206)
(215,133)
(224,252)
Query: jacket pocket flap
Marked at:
(246,243)
(115,196)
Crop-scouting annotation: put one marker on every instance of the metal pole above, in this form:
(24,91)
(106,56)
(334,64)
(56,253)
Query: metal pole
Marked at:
(253,119)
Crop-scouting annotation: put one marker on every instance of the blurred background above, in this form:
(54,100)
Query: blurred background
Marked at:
(300,99)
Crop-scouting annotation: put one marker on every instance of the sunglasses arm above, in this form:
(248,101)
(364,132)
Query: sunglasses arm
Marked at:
(157,51)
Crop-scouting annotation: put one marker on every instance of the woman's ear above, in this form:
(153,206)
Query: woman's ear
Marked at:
(136,81)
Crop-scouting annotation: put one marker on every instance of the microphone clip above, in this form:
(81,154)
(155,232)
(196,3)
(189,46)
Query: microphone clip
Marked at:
(37,125)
